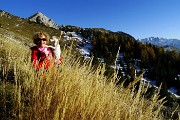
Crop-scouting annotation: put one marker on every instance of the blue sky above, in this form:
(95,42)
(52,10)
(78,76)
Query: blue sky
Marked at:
(139,18)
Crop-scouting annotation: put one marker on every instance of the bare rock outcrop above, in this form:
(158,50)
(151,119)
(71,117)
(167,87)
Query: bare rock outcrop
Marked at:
(42,19)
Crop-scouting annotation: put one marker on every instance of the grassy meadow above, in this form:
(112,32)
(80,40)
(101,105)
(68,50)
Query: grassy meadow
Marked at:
(72,91)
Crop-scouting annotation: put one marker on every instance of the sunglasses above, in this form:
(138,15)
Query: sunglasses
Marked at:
(43,39)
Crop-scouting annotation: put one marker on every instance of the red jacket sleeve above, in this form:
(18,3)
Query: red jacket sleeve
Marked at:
(34,58)
(60,59)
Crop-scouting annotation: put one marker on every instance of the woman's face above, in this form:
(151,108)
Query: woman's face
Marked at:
(41,42)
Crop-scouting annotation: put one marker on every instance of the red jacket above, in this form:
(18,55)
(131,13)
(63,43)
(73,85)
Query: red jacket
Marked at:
(40,59)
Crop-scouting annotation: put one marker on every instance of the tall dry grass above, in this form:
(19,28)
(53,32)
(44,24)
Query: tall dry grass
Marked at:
(71,91)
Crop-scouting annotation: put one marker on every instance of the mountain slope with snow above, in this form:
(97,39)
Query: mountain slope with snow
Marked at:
(164,42)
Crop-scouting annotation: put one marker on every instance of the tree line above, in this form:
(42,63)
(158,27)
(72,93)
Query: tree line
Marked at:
(160,65)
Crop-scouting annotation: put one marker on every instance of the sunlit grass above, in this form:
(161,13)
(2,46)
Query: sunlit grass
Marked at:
(70,91)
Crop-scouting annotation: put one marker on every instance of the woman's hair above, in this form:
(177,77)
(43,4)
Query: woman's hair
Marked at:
(40,35)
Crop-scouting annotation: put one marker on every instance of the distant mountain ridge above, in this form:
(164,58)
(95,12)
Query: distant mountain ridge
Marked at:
(164,42)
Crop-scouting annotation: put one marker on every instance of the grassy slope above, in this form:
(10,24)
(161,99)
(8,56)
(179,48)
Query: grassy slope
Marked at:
(72,91)
(22,28)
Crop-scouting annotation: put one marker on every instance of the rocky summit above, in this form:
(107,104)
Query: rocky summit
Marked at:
(42,19)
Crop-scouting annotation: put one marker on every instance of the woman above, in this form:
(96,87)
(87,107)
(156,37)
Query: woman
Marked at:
(42,55)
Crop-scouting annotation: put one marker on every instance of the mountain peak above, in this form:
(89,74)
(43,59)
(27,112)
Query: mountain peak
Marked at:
(40,18)
(39,14)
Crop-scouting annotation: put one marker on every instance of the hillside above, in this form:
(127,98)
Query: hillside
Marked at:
(22,27)
(18,32)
